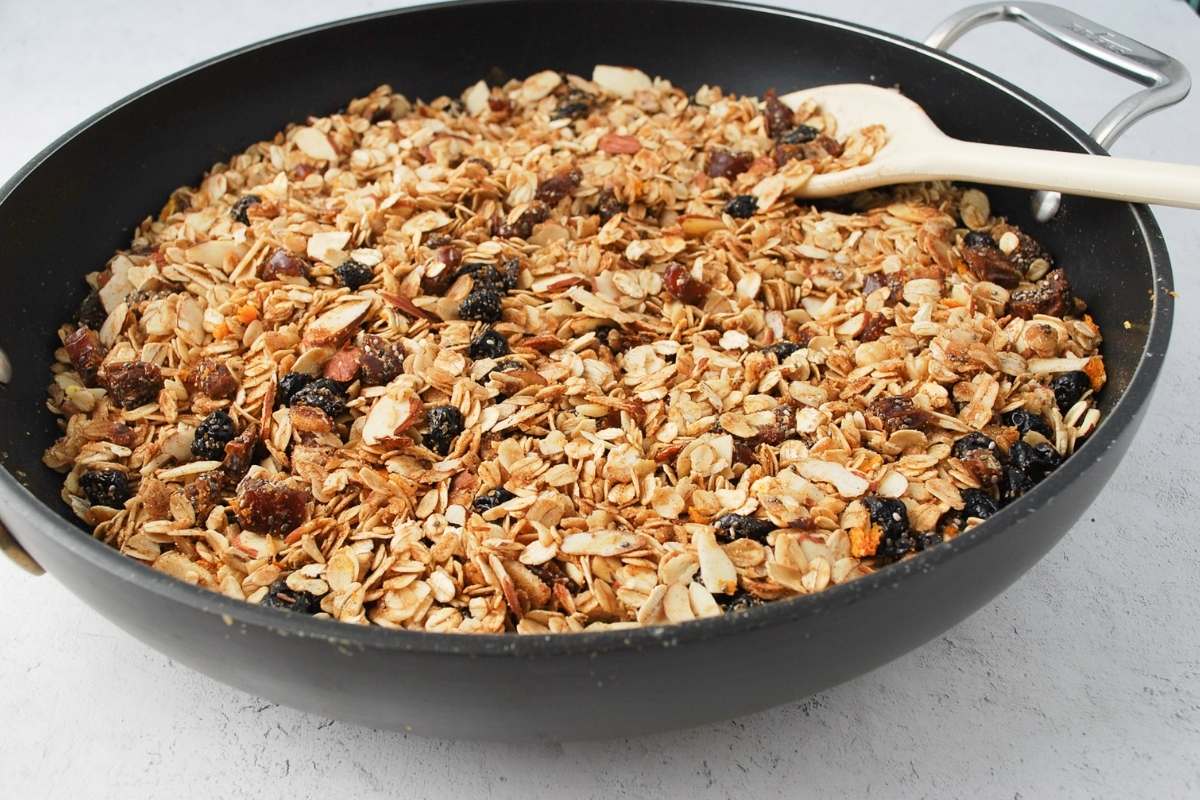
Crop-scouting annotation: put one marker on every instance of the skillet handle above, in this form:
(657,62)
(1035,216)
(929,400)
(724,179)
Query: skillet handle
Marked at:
(1166,79)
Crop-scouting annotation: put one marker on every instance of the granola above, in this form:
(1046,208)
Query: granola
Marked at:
(560,354)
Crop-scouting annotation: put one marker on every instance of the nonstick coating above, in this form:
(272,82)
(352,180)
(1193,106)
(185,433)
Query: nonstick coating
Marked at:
(66,212)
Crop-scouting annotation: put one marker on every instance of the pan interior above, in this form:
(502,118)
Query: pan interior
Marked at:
(68,214)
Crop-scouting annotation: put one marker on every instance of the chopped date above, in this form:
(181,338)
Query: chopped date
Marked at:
(239,455)
(270,507)
(1027,251)
(559,185)
(893,281)
(680,283)
(875,326)
(204,493)
(899,413)
(382,361)
(132,383)
(988,263)
(1051,295)
(728,164)
(86,353)
(283,263)
(212,378)
(824,145)
(779,118)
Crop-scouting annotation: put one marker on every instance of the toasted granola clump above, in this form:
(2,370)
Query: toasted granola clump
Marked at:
(561,354)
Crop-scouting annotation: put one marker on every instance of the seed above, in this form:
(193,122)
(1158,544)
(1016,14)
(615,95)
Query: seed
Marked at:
(212,435)
(742,206)
(445,423)
(105,487)
(1069,387)
(212,378)
(353,274)
(742,526)
(488,344)
(280,596)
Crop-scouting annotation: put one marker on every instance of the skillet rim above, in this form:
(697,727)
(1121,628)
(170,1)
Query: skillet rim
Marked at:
(776,614)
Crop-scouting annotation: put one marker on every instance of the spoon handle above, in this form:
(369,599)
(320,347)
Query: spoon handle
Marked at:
(1125,179)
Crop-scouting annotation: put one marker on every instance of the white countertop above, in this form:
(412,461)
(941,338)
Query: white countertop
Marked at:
(1082,680)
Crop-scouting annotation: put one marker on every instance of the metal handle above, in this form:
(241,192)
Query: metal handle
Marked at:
(1166,79)
(12,548)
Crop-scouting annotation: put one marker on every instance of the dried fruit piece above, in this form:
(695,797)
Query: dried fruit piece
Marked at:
(321,393)
(132,383)
(240,209)
(522,228)
(1069,387)
(289,384)
(608,206)
(1025,421)
(727,164)
(978,504)
(212,434)
(988,263)
(778,117)
(488,344)
(575,104)
(212,378)
(382,361)
(239,455)
(105,487)
(271,507)
(496,497)
(482,304)
(742,526)
(91,313)
(800,134)
(279,595)
(891,516)
(284,264)
(86,353)
(742,207)
(899,413)
(1051,296)
(680,283)
(445,423)
(559,185)
(353,274)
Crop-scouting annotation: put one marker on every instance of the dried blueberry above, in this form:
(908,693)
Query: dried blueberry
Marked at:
(741,600)
(91,312)
(486,502)
(972,441)
(105,487)
(892,517)
(781,350)
(212,435)
(1025,422)
(488,344)
(280,596)
(799,135)
(979,239)
(1069,387)
(1015,483)
(445,423)
(353,274)
(977,503)
(324,394)
(289,384)
(1036,462)
(742,206)
(742,526)
(242,206)
(482,304)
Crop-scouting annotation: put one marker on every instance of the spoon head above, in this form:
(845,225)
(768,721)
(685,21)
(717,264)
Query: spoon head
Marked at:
(857,105)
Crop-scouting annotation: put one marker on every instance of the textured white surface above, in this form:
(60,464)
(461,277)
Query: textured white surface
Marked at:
(1082,680)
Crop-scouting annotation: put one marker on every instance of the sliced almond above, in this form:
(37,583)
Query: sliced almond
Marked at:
(602,543)
(678,604)
(212,253)
(475,99)
(621,81)
(314,144)
(695,227)
(321,244)
(336,324)
(716,570)
(538,85)
(390,417)
(847,482)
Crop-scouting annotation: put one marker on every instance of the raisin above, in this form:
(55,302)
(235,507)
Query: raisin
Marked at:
(742,526)
(382,361)
(799,135)
(324,394)
(892,518)
(522,228)
(977,503)
(899,413)
(893,281)
(875,327)
(741,600)
(488,344)
(576,104)
(440,274)
(978,239)
(242,206)
(132,383)
(988,263)
(1025,422)
(559,185)
(289,384)
(972,441)
(783,153)
(105,487)
(239,455)
(782,428)
(280,596)
(779,118)
(213,379)
(680,283)
(283,263)
(726,164)
(91,311)
(1051,295)
(353,274)
(781,350)
(1069,387)
(496,497)
(212,434)
(445,423)
(742,206)
(270,506)
(482,304)
(608,206)
(86,353)
(823,146)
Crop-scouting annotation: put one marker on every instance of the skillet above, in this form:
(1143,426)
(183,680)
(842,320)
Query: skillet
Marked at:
(116,168)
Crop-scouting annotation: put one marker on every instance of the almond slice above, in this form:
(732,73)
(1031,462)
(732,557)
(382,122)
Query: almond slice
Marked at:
(621,81)
(212,253)
(390,417)
(320,244)
(336,324)
(602,543)
(475,99)
(717,572)
(314,144)
(847,482)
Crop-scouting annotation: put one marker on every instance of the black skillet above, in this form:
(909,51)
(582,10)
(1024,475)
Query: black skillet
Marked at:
(118,166)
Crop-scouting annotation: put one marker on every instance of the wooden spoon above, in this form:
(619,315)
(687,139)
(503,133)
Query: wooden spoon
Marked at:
(916,150)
